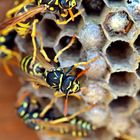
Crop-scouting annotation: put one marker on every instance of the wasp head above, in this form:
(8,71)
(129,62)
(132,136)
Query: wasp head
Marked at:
(67,4)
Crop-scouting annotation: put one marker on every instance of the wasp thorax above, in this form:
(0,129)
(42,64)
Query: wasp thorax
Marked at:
(70,85)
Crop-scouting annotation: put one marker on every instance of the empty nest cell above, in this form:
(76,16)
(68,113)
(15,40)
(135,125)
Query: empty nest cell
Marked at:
(137,44)
(121,104)
(75,48)
(119,52)
(49,30)
(122,82)
(93,7)
(118,23)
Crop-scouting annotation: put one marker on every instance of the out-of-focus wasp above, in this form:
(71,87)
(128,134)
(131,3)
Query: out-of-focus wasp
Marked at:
(25,19)
(43,73)
(29,109)
(7,52)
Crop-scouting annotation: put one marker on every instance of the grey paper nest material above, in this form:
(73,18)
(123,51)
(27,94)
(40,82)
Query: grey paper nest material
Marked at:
(109,29)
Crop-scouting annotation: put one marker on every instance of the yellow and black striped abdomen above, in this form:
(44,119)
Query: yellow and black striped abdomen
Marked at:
(25,64)
(36,69)
(81,128)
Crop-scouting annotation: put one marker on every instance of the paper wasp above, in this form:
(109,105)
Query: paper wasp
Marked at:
(26,19)
(43,73)
(29,109)
(6,51)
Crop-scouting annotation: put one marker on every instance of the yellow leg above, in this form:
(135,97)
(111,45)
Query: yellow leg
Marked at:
(65,119)
(85,63)
(71,14)
(33,35)
(49,106)
(68,20)
(7,69)
(17,8)
(42,51)
(64,49)
(65,14)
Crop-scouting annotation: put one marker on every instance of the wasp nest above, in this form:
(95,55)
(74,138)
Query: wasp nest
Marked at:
(109,29)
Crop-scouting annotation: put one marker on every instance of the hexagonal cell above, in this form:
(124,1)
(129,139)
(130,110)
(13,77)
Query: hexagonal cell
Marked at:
(122,104)
(119,53)
(92,36)
(93,7)
(118,23)
(137,44)
(49,31)
(50,52)
(123,83)
(71,55)
(133,7)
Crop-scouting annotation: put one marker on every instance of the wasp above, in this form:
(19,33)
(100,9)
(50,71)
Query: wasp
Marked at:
(7,52)
(29,109)
(25,19)
(43,73)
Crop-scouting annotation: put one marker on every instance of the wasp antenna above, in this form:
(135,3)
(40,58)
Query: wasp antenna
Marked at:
(82,73)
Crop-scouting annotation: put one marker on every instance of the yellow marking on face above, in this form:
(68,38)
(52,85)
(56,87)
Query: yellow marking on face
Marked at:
(60,82)
(52,8)
(2,39)
(57,2)
(69,85)
(50,2)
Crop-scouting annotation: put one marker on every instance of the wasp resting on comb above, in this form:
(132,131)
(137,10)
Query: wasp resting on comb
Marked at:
(29,108)
(45,74)
(79,62)
(28,14)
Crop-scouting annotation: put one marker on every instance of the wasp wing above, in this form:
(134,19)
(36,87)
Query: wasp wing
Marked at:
(36,80)
(44,63)
(21,18)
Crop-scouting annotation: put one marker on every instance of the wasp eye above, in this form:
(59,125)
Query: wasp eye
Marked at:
(64,4)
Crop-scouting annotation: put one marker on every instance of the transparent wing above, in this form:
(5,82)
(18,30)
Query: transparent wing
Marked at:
(13,21)
(44,63)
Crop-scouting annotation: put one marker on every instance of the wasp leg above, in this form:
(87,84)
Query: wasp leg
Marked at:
(71,14)
(65,14)
(68,118)
(81,63)
(64,49)
(17,8)
(42,51)
(49,106)
(33,35)
(68,20)
(7,69)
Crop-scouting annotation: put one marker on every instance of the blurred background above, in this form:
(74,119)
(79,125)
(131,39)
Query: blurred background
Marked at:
(11,127)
